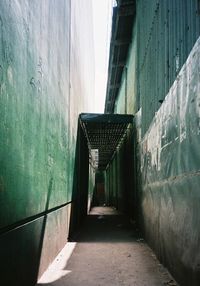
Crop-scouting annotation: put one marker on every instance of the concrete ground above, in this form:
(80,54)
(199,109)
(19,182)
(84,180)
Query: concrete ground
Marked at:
(108,252)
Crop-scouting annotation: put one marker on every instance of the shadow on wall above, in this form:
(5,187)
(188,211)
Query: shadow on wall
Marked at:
(98,198)
(121,189)
(80,184)
(21,247)
(78,208)
(23,244)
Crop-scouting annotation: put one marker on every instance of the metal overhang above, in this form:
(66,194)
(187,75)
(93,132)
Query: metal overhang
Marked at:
(105,133)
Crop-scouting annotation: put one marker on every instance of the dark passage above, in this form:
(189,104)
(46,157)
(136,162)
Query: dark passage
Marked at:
(110,251)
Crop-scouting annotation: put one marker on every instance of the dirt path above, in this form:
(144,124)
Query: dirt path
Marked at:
(109,253)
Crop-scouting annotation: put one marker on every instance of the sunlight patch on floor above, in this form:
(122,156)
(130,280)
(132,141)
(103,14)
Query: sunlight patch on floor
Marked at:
(58,268)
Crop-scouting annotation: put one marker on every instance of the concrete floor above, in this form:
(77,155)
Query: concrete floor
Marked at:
(108,252)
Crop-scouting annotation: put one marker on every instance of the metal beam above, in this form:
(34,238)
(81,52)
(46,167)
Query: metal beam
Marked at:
(105,132)
(106,118)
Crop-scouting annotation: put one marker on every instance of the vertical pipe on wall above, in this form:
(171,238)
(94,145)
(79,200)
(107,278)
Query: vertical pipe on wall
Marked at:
(126,88)
(69,98)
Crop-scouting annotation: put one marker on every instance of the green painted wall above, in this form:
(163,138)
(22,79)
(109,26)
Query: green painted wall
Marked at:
(120,178)
(163,94)
(33,128)
(46,80)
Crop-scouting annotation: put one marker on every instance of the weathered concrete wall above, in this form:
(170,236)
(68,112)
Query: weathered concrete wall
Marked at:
(46,80)
(163,93)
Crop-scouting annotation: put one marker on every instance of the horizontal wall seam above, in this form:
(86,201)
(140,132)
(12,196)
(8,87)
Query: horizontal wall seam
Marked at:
(172,179)
(28,220)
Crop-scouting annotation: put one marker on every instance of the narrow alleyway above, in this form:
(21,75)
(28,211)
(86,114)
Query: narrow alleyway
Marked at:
(108,252)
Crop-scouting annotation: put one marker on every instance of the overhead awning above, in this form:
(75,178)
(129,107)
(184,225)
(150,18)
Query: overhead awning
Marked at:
(105,134)
(121,36)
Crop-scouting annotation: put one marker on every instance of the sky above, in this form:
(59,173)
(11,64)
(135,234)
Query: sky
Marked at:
(102,19)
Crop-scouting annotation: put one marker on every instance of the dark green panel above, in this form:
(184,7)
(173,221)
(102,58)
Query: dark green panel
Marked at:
(80,194)
(27,250)
(170,163)
(20,254)
(120,178)
(166,31)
